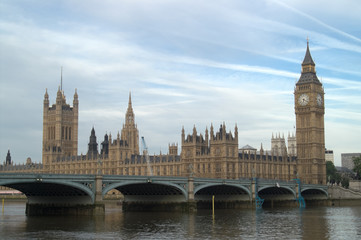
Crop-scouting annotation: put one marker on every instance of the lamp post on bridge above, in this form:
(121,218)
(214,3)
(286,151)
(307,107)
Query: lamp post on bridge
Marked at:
(258,201)
(299,198)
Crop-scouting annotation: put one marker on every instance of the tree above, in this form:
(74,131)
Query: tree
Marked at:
(357,166)
(345,182)
(331,173)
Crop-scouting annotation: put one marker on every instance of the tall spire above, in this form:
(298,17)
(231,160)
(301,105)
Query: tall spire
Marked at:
(130,132)
(308,74)
(308,59)
(129,116)
(130,100)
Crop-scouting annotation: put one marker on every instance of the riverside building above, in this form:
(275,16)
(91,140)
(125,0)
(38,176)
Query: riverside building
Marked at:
(214,154)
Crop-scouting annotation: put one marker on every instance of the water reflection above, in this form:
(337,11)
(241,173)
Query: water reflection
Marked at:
(283,223)
(344,222)
(314,223)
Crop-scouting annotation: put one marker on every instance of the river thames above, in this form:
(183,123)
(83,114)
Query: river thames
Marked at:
(280,223)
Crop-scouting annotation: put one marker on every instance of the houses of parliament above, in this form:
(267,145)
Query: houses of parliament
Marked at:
(214,154)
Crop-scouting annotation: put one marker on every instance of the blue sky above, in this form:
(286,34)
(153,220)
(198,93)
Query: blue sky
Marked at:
(186,63)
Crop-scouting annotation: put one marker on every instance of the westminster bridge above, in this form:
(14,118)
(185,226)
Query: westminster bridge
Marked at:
(83,194)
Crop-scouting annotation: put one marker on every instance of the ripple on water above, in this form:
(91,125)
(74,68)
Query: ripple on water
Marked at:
(292,223)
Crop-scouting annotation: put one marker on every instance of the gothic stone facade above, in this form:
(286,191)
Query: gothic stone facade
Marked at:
(212,155)
(310,111)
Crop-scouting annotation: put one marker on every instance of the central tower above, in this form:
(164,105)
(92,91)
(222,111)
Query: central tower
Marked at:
(310,110)
(130,132)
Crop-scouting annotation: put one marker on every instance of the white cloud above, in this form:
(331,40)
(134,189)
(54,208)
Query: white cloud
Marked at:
(185,63)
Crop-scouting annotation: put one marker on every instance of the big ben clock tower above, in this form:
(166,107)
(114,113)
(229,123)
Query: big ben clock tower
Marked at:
(310,131)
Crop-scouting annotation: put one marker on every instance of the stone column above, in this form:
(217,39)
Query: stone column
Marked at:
(98,188)
(296,190)
(253,189)
(99,207)
(191,204)
(190,189)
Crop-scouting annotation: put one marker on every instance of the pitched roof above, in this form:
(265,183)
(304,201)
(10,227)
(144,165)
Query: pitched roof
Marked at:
(308,59)
(247,147)
(308,76)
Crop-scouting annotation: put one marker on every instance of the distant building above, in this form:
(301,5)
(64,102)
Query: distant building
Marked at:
(329,156)
(279,148)
(347,159)
(345,172)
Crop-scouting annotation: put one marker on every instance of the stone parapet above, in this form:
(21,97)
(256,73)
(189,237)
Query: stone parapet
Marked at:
(336,192)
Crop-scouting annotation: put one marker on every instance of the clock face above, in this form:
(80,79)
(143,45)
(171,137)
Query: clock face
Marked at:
(303,99)
(319,100)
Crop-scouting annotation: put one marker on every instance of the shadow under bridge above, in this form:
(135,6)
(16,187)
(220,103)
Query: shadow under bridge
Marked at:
(314,193)
(150,192)
(48,190)
(221,193)
(277,194)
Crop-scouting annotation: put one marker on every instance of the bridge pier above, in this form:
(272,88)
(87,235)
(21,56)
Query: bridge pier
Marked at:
(191,204)
(257,202)
(99,206)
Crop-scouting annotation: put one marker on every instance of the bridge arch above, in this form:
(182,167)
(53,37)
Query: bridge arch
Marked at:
(223,192)
(314,193)
(54,191)
(276,193)
(282,189)
(140,191)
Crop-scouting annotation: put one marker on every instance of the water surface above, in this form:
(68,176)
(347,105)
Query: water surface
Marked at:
(282,223)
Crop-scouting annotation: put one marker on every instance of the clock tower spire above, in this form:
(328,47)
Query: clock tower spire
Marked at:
(310,110)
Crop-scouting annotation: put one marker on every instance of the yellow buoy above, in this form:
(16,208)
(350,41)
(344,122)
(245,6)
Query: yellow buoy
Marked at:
(213,206)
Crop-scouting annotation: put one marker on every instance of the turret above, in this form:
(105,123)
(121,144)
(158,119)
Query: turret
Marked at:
(8,158)
(105,145)
(236,132)
(75,123)
(183,134)
(75,100)
(93,145)
(207,137)
(224,130)
(46,100)
(59,97)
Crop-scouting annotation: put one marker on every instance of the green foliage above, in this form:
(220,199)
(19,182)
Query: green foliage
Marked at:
(357,166)
(331,173)
(345,182)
